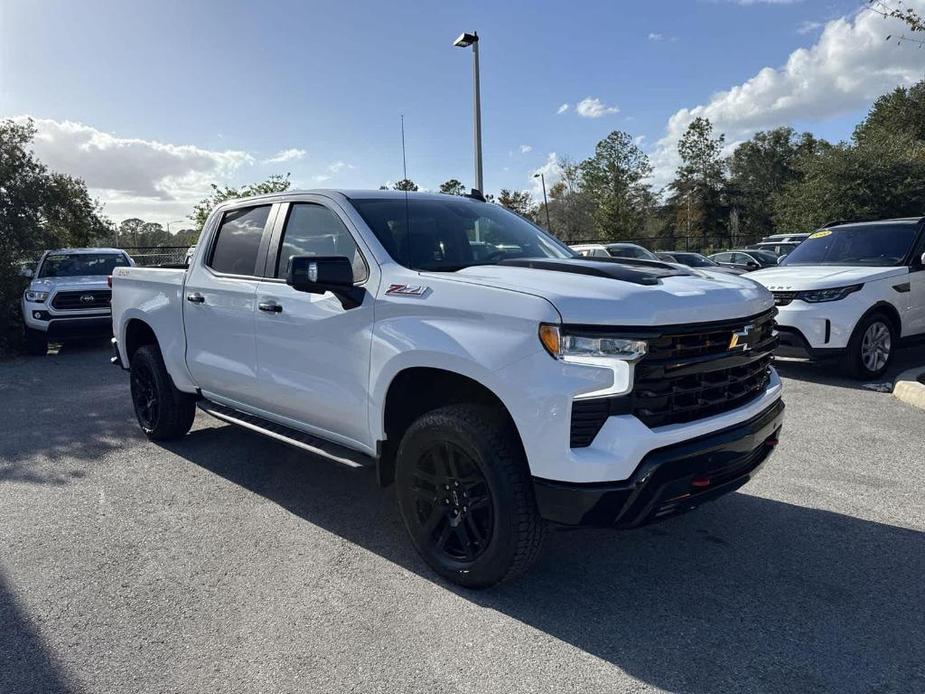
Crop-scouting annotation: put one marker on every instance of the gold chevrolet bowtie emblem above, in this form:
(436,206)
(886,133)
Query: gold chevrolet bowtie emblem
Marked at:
(741,339)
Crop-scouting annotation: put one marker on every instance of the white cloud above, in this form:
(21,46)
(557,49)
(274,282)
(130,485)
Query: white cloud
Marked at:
(134,177)
(807,27)
(286,155)
(656,37)
(846,69)
(563,108)
(339,166)
(766,2)
(594,108)
(321,178)
(526,149)
(551,171)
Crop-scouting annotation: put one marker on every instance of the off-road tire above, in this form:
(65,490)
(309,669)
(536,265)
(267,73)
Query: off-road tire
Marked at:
(170,412)
(485,439)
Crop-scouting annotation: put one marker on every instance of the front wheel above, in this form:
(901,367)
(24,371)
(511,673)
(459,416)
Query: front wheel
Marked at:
(466,496)
(163,412)
(871,348)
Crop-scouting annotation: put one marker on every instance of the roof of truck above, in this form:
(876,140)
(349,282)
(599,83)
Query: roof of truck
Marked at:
(85,250)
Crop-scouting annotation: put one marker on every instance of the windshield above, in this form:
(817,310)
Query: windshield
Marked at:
(868,244)
(447,235)
(80,264)
(694,260)
(631,251)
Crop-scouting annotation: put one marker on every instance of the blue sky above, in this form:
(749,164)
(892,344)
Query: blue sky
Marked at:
(151,101)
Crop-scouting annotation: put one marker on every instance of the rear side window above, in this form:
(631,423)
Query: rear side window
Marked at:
(315,230)
(238,240)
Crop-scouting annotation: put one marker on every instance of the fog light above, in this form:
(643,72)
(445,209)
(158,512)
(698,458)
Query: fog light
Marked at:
(37,315)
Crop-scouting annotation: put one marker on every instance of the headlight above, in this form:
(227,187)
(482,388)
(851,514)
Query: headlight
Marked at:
(817,296)
(584,348)
(36,297)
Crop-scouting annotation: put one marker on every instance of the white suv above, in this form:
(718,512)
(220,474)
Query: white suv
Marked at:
(69,295)
(854,291)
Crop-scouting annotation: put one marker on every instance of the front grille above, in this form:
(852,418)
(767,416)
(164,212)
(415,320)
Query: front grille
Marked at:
(688,373)
(98,298)
(784,298)
(701,371)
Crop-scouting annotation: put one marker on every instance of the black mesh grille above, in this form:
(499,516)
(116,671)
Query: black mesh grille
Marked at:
(689,373)
(93,298)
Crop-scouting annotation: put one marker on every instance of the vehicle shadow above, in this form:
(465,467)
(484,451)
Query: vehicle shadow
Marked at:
(27,666)
(830,372)
(747,594)
(70,406)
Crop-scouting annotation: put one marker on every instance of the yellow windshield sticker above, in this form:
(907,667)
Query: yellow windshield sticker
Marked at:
(821,234)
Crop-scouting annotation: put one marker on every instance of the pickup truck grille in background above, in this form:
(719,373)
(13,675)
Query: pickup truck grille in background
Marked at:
(784,298)
(98,298)
(689,372)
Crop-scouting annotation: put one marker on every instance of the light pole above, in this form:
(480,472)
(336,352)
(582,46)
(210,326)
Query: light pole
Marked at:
(464,41)
(175,221)
(545,202)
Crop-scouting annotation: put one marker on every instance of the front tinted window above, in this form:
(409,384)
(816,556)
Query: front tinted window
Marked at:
(429,234)
(315,230)
(868,244)
(764,257)
(238,240)
(694,260)
(81,264)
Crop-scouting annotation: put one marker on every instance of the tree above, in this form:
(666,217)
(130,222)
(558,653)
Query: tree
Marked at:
(519,201)
(897,117)
(452,187)
(130,231)
(406,184)
(39,209)
(758,171)
(700,181)
(613,180)
(276,183)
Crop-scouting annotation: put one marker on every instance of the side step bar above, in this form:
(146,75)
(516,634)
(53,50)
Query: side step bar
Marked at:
(294,437)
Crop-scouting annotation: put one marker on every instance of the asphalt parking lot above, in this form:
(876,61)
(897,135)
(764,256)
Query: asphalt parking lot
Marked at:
(230,563)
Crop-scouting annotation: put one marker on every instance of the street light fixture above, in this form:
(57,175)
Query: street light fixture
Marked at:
(464,41)
(545,202)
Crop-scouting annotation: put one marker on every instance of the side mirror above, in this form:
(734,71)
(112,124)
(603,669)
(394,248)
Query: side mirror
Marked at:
(26,272)
(752,265)
(922,259)
(781,259)
(317,274)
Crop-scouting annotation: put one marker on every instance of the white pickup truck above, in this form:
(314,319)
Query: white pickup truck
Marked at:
(497,378)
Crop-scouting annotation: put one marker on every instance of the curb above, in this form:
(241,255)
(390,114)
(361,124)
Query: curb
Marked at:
(909,389)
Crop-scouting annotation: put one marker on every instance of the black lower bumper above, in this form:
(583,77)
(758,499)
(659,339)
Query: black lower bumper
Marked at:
(792,343)
(669,480)
(70,328)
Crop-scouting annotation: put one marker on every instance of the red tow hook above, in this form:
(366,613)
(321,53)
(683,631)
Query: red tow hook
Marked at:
(700,482)
(109,281)
(772,442)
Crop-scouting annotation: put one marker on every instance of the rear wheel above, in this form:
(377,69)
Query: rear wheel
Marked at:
(163,412)
(871,348)
(36,342)
(466,496)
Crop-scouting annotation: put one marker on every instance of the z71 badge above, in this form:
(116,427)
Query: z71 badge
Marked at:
(405,290)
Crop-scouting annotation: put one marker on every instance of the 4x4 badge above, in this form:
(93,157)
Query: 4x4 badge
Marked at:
(742,339)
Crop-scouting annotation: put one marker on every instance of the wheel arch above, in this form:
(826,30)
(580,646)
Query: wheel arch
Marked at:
(416,390)
(887,309)
(138,333)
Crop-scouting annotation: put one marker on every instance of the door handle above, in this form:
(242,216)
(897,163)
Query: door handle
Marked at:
(195,298)
(270,307)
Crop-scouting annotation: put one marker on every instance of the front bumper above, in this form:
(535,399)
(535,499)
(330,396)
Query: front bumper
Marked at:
(70,328)
(669,480)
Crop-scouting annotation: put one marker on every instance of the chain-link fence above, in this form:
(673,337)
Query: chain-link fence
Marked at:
(149,256)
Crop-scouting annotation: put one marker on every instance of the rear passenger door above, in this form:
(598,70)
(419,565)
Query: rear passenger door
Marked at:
(219,302)
(312,353)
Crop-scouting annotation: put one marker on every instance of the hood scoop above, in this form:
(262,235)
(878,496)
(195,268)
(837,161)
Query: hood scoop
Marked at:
(648,274)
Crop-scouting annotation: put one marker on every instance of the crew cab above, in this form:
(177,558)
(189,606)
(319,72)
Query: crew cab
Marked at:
(68,296)
(854,291)
(498,379)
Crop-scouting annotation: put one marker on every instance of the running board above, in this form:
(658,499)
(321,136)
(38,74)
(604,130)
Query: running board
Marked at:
(294,437)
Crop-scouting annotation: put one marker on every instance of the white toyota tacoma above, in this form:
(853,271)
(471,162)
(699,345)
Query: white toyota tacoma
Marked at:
(855,291)
(497,378)
(68,296)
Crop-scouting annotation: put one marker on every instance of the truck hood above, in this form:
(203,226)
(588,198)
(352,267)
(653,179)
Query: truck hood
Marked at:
(802,277)
(48,284)
(594,300)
